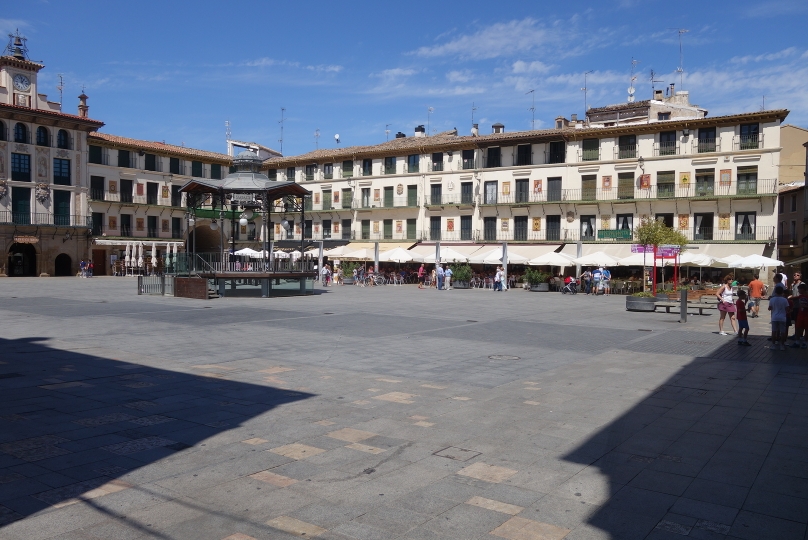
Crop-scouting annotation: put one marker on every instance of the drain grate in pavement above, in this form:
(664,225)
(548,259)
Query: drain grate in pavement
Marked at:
(504,357)
(458,454)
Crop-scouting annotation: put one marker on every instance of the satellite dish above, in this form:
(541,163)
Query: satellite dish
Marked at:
(336,138)
(630,89)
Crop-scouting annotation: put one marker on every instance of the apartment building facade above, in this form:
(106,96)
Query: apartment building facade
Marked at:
(713,178)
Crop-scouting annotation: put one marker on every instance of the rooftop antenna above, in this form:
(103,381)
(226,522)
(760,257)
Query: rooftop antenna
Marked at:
(387,131)
(428,115)
(532,109)
(227,133)
(633,78)
(585,89)
(763,103)
(681,69)
(281,121)
(60,87)
(473,108)
(654,80)
(317,138)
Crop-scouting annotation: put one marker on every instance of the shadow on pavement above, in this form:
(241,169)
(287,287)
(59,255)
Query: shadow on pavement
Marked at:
(719,450)
(71,424)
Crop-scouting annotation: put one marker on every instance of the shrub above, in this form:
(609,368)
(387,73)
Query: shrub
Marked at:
(534,277)
(461,272)
(643,294)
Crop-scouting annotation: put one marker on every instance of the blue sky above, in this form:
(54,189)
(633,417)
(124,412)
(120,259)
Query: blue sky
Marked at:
(175,71)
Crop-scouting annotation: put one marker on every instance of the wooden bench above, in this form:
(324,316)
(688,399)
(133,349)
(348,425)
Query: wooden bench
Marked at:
(702,307)
(666,305)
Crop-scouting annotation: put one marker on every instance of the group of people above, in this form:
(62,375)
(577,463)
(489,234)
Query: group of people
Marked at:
(86,268)
(441,277)
(596,281)
(787,305)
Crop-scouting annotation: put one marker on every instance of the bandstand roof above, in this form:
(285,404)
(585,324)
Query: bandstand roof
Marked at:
(245,182)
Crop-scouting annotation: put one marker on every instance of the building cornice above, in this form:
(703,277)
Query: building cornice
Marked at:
(20,64)
(154,147)
(49,118)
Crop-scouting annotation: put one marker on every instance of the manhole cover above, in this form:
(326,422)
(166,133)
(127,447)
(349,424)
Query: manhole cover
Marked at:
(503,357)
(457,454)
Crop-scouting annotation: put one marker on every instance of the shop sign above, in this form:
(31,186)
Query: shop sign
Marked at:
(25,239)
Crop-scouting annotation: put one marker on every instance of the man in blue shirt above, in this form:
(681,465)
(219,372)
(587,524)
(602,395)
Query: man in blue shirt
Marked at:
(441,274)
(448,277)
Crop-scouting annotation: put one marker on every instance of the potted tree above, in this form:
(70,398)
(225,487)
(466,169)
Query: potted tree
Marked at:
(537,280)
(461,276)
(347,272)
(652,232)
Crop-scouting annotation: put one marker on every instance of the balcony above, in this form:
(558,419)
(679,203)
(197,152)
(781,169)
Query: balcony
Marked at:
(450,199)
(468,163)
(747,142)
(545,235)
(666,149)
(590,154)
(97,194)
(396,202)
(462,235)
(436,166)
(750,234)
(703,146)
(44,219)
(626,151)
(788,240)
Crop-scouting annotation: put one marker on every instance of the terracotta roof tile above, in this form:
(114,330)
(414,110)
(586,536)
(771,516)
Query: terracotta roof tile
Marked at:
(66,116)
(157,146)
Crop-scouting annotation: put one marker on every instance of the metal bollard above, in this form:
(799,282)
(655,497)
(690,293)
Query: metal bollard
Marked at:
(683,306)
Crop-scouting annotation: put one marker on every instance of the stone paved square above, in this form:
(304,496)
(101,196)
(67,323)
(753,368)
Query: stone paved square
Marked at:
(384,413)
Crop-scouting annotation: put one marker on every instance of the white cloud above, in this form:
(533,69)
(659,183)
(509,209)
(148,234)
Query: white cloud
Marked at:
(499,39)
(785,53)
(775,8)
(530,67)
(10,26)
(459,76)
(395,73)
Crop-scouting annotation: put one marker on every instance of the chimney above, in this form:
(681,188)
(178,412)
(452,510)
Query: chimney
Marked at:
(574,118)
(672,92)
(475,130)
(561,122)
(400,135)
(420,131)
(658,95)
(83,108)
(498,128)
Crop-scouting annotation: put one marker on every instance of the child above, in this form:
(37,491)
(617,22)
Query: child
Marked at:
(801,309)
(779,306)
(743,323)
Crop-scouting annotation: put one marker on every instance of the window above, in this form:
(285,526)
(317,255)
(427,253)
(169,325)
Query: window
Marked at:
(21,167)
(411,229)
(216,171)
(747,180)
(365,197)
(793,203)
(793,231)
(749,136)
(557,152)
(664,116)
(413,163)
(434,228)
(290,174)
(520,228)
(494,157)
(63,139)
(437,161)
(705,182)
(3,131)
(98,223)
(126,191)
(150,163)
(466,193)
(21,205)
(328,171)
(522,190)
(587,227)
(389,165)
(388,197)
(174,166)
(780,206)
(347,168)
(151,192)
(272,174)
(347,198)
(553,228)
(42,136)
(126,224)
(490,192)
(412,195)
(524,154)
(666,184)
(365,229)
(554,188)
(176,227)
(589,187)
(197,169)
(326,229)
(151,225)
(61,171)
(123,158)
(468,159)
(667,143)
(435,194)
(706,140)
(310,169)
(346,229)
(97,188)
(591,150)
(627,147)
(21,133)
(625,186)
(388,229)
(307,228)
(327,199)
(307,203)
(745,226)
(667,219)
(490,228)
(176,196)
(96,154)
(703,226)
(61,207)
(625,222)
(465,227)
(367,167)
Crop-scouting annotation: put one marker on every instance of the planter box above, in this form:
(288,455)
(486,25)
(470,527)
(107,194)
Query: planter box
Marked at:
(347,281)
(638,303)
(541,287)
(460,284)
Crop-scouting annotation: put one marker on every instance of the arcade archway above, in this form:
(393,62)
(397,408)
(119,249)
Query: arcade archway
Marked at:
(63,265)
(21,260)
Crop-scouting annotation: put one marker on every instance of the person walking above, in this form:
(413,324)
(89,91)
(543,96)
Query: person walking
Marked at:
(447,276)
(441,274)
(726,305)
(586,278)
(801,320)
(90,268)
(756,292)
(498,279)
(795,292)
(421,276)
(606,279)
(82,268)
(743,322)
(779,306)
(597,276)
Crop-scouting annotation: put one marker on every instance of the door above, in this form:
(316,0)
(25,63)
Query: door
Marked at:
(63,265)
(388,197)
(365,229)
(21,205)
(99,262)
(346,229)
(703,226)
(327,199)
(411,231)
(520,228)
(126,191)
(745,226)
(98,223)
(126,224)
(465,227)
(435,192)
(554,189)
(588,227)
(176,227)
(553,227)
(151,192)
(388,229)
(705,183)
(61,207)
(412,195)
(467,193)
(365,197)
(491,192)
(522,190)
(326,229)
(589,184)
(151,224)
(434,228)
(490,228)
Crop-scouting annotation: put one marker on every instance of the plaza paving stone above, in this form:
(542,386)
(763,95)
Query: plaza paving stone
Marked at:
(389,412)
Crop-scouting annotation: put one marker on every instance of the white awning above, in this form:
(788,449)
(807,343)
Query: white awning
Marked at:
(122,243)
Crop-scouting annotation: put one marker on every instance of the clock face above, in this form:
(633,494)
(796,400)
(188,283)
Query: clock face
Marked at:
(22,83)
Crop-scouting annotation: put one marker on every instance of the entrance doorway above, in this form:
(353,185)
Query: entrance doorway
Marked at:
(21,260)
(63,265)
(99,262)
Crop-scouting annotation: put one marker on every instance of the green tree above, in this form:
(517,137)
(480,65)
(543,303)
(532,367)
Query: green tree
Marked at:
(654,232)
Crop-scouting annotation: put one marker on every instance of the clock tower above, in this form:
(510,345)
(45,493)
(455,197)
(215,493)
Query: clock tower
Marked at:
(18,75)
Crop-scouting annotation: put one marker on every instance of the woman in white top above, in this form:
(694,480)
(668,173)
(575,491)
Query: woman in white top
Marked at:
(726,305)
